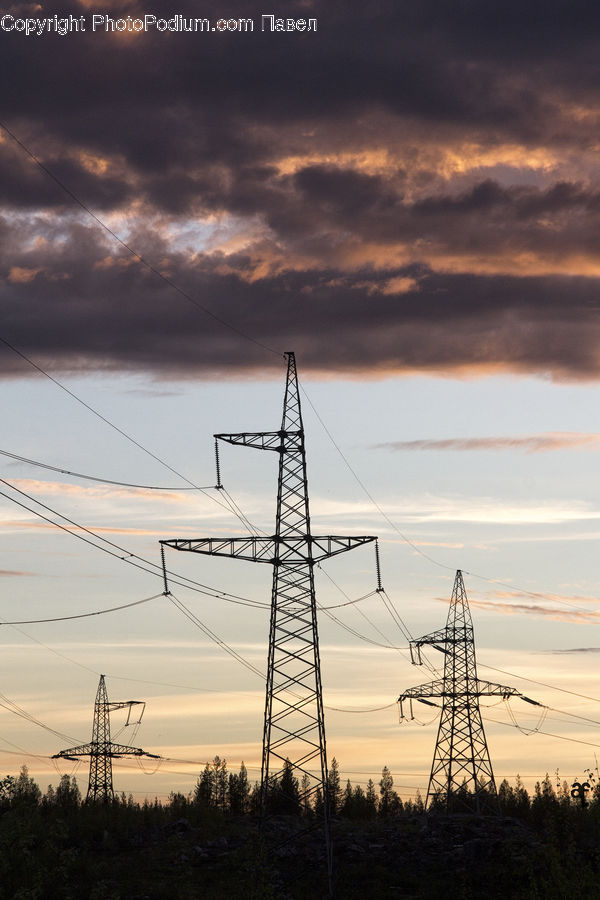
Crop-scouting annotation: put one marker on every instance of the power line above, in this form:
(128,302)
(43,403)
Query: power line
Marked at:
(99,612)
(12,707)
(19,751)
(541,683)
(357,634)
(388,603)
(61,471)
(591,723)
(559,737)
(185,687)
(348,601)
(193,618)
(370,709)
(348,628)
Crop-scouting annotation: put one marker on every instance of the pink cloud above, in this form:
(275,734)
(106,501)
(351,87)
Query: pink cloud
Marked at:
(533,443)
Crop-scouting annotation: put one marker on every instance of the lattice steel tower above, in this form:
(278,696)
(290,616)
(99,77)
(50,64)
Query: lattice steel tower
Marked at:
(461,759)
(294,728)
(101,749)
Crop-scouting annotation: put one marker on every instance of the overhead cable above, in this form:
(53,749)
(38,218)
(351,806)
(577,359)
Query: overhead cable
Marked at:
(98,612)
(127,484)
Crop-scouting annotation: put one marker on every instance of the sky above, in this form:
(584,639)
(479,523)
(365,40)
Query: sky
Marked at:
(406,197)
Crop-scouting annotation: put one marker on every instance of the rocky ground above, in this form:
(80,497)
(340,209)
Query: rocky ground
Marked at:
(76,856)
(422,857)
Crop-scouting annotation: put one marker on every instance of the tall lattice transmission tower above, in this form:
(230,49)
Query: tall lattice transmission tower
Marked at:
(294,726)
(461,772)
(101,749)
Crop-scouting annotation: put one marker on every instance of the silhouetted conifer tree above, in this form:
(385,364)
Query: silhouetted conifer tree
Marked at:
(239,792)
(333,787)
(371,797)
(220,783)
(204,790)
(346,805)
(318,804)
(418,804)
(285,797)
(389,801)
(307,809)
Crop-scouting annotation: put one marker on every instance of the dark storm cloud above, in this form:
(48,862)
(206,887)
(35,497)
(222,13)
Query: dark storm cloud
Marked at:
(348,262)
(487,218)
(80,307)
(170,101)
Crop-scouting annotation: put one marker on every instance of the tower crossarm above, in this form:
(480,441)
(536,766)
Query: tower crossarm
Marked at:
(439,689)
(437,639)
(117,750)
(82,750)
(331,545)
(260,440)
(113,750)
(256,549)
(489,689)
(432,689)
(123,704)
(274,550)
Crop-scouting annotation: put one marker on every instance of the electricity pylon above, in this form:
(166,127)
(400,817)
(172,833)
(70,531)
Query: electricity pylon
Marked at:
(294,727)
(101,749)
(461,760)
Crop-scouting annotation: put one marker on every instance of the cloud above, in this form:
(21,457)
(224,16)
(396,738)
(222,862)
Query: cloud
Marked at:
(152,393)
(538,605)
(569,599)
(46,526)
(96,492)
(11,573)
(115,318)
(429,508)
(533,609)
(562,440)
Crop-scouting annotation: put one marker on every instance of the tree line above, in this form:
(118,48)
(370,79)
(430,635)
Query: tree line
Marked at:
(219,791)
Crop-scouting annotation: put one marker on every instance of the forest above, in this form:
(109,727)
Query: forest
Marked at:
(212,843)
